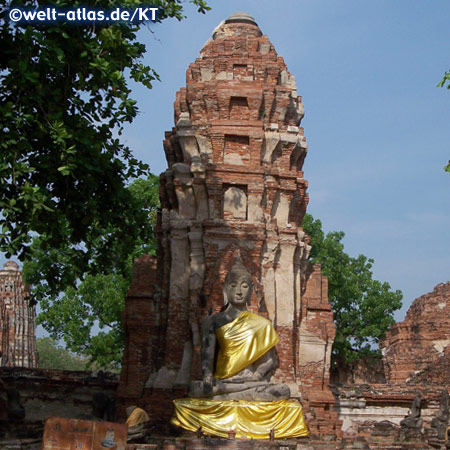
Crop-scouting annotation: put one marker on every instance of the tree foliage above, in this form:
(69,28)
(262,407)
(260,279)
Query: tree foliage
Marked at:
(363,307)
(81,316)
(64,98)
(53,356)
(85,309)
(50,271)
(68,208)
(445,82)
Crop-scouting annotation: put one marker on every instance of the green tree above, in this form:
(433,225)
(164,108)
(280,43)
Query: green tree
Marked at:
(67,207)
(85,309)
(363,307)
(64,99)
(82,314)
(445,81)
(50,271)
(53,356)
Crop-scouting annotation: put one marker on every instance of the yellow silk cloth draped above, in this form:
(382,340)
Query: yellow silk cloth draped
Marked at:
(242,342)
(248,419)
(137,417)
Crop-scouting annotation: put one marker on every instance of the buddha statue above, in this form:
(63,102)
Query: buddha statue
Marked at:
(235,396)
(441,421)
(413,419)
(245,344)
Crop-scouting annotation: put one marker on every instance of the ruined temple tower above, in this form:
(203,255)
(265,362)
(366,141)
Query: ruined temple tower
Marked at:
(234,186)
(17,320)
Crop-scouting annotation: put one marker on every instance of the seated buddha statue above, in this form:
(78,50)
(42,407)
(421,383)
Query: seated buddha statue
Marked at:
(238,357)
(244,344)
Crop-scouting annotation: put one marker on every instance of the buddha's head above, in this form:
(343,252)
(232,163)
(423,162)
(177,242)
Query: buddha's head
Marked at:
(237,289)
(129,410)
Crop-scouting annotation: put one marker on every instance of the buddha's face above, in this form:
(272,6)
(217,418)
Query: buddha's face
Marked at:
(238,290)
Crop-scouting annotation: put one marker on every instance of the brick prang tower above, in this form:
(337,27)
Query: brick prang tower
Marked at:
(17,321)
(235,186)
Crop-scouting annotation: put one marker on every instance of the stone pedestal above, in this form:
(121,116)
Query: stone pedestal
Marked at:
(217,444)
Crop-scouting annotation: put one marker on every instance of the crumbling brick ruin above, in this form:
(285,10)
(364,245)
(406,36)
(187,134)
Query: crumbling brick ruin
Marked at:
(17,320)
(425,333)
(416,359)
(234,186)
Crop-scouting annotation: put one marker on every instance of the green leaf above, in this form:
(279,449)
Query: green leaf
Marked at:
(363,307)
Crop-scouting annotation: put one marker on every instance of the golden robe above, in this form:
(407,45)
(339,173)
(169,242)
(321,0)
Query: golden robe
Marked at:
(242,342)
(248,419)
(137,417)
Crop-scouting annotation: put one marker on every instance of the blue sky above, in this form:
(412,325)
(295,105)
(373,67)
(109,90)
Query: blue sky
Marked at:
(377,127)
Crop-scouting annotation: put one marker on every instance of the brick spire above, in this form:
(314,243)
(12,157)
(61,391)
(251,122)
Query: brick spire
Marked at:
(17,320)
(235,186)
